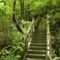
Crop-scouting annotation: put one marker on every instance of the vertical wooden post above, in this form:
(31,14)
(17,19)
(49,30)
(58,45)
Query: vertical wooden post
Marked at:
(48,37)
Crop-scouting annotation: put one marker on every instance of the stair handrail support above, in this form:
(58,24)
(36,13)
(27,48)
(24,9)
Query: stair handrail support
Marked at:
(27,37)
(48,40)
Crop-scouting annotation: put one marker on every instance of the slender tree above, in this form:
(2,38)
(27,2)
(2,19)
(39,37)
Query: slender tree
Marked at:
(22,8)
(14,18)
(28,12)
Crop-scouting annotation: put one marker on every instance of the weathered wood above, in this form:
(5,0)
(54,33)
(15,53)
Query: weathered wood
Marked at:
(48,40)
(27,38)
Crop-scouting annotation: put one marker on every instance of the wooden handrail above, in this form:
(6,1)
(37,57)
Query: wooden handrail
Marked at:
(27,37)
(49,51)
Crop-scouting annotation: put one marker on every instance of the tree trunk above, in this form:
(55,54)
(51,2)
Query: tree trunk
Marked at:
(28,13)
(22,8)
(14,18)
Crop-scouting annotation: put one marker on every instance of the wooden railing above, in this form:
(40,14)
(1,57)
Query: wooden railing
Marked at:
(49,49)
(27,38)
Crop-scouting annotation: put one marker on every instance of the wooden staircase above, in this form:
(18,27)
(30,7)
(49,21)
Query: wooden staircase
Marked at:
(37,48)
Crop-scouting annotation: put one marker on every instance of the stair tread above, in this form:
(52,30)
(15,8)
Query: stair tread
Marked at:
(34,59)
(36,54)
(37,47)
(38,41)
(37,44)
(42,35)
(38,38)
(37,50)
(39,32)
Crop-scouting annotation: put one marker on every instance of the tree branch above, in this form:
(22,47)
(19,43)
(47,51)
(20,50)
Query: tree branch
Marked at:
(14,18)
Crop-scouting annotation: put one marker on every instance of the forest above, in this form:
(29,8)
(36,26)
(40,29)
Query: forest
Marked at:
(20,19)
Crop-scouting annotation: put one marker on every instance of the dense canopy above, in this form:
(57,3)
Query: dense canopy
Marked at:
(16,17)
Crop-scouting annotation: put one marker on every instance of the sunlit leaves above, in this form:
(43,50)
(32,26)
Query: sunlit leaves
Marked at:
(7,28)
(1,5)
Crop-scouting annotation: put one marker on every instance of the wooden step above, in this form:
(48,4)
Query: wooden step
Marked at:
(40,31)
(37,48)
(34,59)
(38,38)
(37,51)
(38,35)
(38,41)
(41,56)
(37,44)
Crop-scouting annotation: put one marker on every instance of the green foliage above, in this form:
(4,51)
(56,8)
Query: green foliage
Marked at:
(10,38)
(43,24)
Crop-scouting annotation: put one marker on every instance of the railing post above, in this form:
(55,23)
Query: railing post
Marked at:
(33,24)
(48,38)
(28,38)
